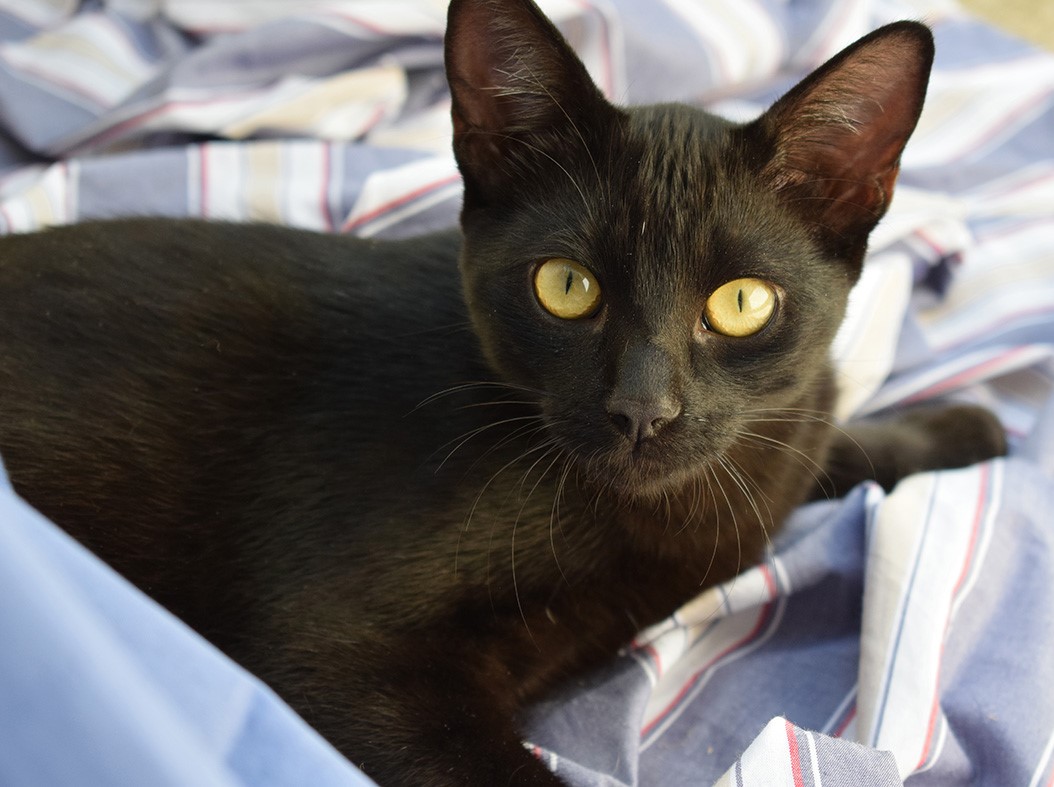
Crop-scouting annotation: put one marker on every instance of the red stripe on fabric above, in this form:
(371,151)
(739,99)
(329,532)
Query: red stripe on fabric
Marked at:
(763,618)
(795,755)
(1005,322)
(656,659)
(923,236)
(202,31)
(398,202)
(1009,225)
(1010,121)
(1019,186)
(978,516)
(107,135)
(770,581)
(927,744)
(845,722)
(370,27)
(965,376)
(56,81)
(608,77)
(377,116)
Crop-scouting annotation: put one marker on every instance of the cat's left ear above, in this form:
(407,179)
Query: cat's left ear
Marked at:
(519,92)
(836,138)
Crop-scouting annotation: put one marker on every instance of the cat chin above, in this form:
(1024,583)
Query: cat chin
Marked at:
(638,479)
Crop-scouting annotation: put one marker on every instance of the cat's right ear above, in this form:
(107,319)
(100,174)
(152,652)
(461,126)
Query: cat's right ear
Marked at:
(518,90)
(836,138)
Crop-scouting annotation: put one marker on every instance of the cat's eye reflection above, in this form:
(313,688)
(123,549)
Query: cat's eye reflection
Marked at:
(741,307)
(566,289)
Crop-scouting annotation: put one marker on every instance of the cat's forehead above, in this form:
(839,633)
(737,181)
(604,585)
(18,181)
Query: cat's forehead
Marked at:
(680,193)
(681,153)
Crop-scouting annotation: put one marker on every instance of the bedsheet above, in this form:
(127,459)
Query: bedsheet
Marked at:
(886,639)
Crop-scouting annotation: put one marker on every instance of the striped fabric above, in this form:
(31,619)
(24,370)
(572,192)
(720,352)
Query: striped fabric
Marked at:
(891,639)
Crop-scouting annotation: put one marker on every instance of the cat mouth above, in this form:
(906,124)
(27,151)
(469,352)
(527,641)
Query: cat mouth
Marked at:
(643,471)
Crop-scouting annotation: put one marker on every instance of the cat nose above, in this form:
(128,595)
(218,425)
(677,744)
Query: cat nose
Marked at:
(642,419)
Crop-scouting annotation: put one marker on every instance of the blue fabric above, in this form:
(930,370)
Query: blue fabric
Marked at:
(101,686)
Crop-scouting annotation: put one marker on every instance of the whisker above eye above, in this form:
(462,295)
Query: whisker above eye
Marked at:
(509,138)
(540,84)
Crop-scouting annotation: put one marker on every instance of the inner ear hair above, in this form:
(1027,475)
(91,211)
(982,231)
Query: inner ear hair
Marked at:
(837,137)
(873,91)
(516,87)
(508,66)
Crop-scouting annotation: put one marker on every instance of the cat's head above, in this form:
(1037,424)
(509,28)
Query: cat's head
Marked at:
(661,274)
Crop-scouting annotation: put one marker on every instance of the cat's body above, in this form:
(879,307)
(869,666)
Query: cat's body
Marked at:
(257,462)
(413,499)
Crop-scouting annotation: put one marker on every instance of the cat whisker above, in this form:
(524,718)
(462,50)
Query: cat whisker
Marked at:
(737,477)
(464,325)
(809,410)
(516,523)
(689,517)
(467,386)
(553,445)
(750,483)
(581,192)
(554,514)
(815,416)
(697,498)
(717,524)
(669,509)
(800,456)
(574,127)
(544,446)
(548,444)
(466,437)
(732,512)
(492,403)
(525,433)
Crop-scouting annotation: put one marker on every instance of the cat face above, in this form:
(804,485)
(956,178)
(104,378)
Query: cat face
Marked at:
(624,294)
(660,276)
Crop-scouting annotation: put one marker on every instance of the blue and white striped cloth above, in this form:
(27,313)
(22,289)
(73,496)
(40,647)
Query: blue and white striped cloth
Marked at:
(886,639)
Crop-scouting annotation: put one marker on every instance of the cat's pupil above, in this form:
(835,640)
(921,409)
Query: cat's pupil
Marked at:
(570,281)
(739,299)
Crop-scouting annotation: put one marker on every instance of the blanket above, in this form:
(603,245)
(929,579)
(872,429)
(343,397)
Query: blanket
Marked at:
(884,639)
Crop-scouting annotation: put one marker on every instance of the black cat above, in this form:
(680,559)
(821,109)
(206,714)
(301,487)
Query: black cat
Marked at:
(412,501)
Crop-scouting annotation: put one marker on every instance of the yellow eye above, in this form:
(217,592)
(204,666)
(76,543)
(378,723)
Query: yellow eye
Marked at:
(741,307)
(566,289)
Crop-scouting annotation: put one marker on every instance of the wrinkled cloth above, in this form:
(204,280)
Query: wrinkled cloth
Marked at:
(885,639)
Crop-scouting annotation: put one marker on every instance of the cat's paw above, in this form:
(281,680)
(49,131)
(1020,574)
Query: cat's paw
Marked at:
(959,435)
(930,437)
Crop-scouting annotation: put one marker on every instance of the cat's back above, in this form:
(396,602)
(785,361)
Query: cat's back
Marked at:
(126,313)
(160,375)
(173,289)
(195,274)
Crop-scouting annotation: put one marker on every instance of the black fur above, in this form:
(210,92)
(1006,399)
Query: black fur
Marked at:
(402,495)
